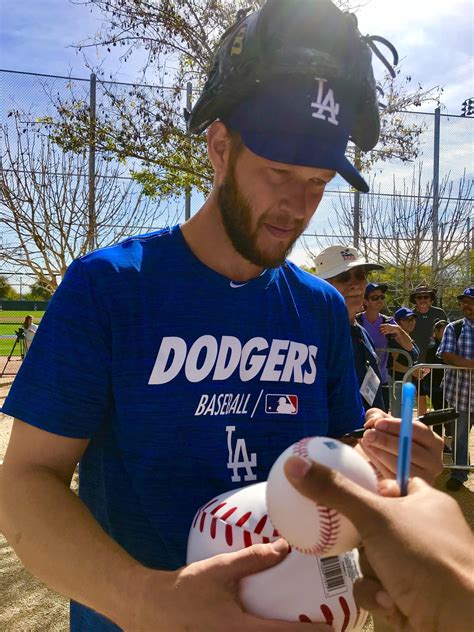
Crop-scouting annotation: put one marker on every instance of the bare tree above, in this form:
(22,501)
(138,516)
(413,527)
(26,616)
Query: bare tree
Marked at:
(147,123)
(396,230)
(44,214)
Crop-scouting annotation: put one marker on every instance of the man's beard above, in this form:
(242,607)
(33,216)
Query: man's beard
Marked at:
(236,214)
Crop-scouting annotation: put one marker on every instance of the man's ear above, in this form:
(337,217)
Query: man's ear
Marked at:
(219,145)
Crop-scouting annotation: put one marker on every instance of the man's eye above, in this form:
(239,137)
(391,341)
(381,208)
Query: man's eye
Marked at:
(279,171)
(319,183)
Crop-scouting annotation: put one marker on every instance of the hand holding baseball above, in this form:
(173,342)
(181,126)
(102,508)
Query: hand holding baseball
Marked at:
(203,596)
(419,547)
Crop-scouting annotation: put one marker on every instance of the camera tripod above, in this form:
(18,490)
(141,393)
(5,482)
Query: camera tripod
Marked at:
(20,340)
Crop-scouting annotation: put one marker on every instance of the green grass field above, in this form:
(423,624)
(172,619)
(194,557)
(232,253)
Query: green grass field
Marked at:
(9,322)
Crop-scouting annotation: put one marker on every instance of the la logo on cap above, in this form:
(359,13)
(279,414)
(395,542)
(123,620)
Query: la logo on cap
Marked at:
(325,103)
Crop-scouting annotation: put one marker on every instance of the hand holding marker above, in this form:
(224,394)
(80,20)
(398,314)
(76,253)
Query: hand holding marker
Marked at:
(429,419)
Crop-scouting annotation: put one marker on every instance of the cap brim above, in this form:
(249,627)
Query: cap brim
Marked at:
(380,286)
(295,149)
(329,274)
(414,295)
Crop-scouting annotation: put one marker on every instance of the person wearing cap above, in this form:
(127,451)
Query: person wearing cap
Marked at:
(406,319)
(163,422)
(458,350)
(346,269)
(382,331)
(432,384)
(423,297)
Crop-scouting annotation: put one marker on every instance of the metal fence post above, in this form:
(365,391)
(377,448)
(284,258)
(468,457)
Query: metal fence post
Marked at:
(436,188)
(469,245)
(91,201)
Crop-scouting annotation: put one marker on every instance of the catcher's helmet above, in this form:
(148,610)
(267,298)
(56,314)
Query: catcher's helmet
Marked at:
(293,37)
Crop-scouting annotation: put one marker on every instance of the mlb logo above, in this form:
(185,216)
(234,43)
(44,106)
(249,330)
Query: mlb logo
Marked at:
(281,404)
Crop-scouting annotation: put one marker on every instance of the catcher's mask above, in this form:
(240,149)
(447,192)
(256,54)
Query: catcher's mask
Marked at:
(313,49)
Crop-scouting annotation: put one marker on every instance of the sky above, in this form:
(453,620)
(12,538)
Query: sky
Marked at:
(434,39)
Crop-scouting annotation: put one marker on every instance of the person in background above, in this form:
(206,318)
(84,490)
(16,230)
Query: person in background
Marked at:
(431,384)
(29,330)
(346,269)
(459,385)
(398,362)
(382,331)
(423,298)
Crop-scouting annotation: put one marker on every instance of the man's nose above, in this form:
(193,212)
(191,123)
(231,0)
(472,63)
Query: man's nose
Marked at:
(295,199)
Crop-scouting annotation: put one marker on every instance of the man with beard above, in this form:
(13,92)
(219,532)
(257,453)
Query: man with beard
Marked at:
(190,337)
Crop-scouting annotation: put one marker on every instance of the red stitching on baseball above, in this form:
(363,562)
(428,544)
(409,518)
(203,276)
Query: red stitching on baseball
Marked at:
(260,524)
(229,528)
(228,513)
(347,613)
(216,509)
(327,614)
(329,531)
(229,534)
(301,448)
(303,618)
(243,519)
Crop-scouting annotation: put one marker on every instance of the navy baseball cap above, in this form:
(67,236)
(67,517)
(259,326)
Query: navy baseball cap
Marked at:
(299,120)
(375,286)
(404,312)
(468,293)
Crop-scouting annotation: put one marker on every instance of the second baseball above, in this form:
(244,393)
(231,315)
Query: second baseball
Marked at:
(308,527)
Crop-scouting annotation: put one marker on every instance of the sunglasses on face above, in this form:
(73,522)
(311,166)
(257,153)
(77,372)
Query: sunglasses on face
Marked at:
(344,277)
(378,297)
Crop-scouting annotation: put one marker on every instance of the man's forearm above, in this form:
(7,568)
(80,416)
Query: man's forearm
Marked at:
(457,360)
(404,340)
(59,541)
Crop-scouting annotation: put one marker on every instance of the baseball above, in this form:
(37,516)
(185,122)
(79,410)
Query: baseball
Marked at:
(302,587)
(314,529)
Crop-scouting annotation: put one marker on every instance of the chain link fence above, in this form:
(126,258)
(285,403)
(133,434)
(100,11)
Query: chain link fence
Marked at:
(406,221)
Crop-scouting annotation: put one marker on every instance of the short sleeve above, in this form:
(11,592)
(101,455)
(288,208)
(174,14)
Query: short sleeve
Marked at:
(63,385)
(448,343)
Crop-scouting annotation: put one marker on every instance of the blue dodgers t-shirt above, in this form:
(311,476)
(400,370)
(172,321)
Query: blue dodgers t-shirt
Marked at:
(188,384)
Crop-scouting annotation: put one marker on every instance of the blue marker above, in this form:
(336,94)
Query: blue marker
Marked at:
(404,445)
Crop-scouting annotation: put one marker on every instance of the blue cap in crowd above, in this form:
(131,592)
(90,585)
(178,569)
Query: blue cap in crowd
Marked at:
(375,286)
(299,120)
(468,292)
(404,312)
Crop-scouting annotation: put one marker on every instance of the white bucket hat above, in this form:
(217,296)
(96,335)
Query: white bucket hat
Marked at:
(336,259)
